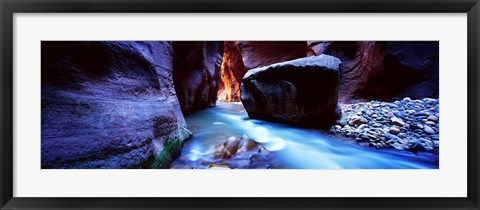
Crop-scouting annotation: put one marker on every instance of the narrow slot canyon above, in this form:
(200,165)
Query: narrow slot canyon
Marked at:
(240,104)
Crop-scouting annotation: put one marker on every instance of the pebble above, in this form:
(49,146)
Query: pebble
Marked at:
(421,113)
(357,120)
(397,121)
(432,118)
(428,129)
(394,130)
(405,125)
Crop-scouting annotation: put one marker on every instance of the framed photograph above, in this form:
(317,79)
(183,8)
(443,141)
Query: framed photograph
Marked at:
(239,105)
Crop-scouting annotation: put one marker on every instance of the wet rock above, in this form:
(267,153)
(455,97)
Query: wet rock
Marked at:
(284,92)
(241,153)
(414,145)
(399,146)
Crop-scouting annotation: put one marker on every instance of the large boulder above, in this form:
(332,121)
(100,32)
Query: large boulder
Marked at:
(109,105)
(241,56)
(196,73)
(384,70)
(301,91)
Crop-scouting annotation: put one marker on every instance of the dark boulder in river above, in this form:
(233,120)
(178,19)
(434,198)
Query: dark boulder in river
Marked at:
(301,91)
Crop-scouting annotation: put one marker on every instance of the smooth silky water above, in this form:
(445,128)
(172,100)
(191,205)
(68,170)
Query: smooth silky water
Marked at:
(292,147)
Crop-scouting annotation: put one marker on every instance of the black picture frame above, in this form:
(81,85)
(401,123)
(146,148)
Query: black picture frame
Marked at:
(9,7)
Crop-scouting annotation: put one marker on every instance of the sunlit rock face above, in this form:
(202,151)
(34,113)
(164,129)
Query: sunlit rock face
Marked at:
(384,70)
(109,105)
(232,73)
(197,74)
(301,91)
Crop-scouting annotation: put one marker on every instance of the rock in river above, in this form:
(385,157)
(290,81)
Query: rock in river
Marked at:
(301,91)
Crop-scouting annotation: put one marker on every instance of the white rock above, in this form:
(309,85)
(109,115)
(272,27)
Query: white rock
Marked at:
(428,129)
(397,121)
(432,118)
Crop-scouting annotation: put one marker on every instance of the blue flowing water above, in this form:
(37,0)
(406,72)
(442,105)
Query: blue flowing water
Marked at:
(293,147)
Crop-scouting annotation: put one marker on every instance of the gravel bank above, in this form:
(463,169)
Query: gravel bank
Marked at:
(411,125)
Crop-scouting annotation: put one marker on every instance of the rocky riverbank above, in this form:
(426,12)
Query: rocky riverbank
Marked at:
(407,124)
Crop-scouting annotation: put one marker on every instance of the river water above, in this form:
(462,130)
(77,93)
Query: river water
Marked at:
(292,147)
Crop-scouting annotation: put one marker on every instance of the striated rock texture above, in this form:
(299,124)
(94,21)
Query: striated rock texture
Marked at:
(384,70)
(197,74)
(233,71)
(109,105)
(302,91)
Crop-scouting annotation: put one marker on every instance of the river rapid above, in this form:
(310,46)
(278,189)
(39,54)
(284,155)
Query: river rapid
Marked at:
(292,147)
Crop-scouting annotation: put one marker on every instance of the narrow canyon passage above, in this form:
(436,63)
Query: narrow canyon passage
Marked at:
(291,147)
(240,104)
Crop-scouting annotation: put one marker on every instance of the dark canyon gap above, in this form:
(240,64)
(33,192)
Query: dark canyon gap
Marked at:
(197,73)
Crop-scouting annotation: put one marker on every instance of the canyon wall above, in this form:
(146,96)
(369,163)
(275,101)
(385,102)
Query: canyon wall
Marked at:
(197,73)
(232,72)
(371,70)
(263,53)
(241,56)
(384,70)
(109,105)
